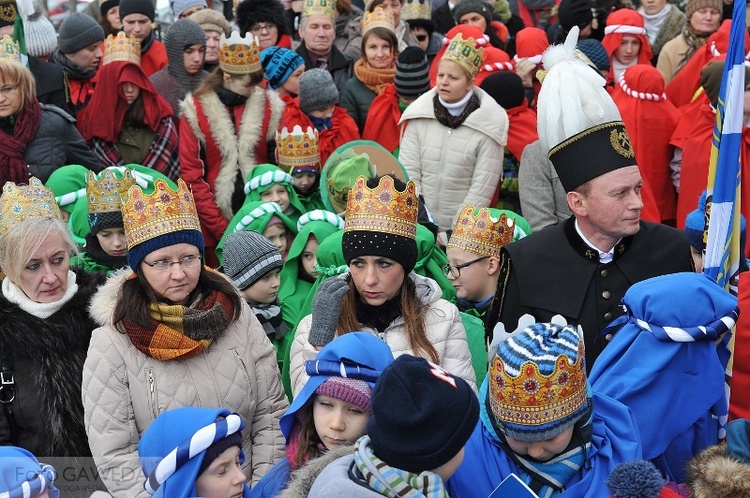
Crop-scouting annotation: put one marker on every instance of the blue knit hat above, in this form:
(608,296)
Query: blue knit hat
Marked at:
(537,382)
(173,448)
(594,50)
(279,63)
(695,224)
(21,474)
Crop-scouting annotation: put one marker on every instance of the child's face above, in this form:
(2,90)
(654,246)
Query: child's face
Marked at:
(277,235)
(304,180)
(223,478)
(338,422)
(309,260)
(265,290)
(113,241)
(277,193)
(542,451)
(475,284)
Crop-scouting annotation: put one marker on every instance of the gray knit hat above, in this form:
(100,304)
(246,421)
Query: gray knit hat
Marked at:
(412,73)
(248,255)
(144,7)
(180,6)
(41,38)
(77,32)
(317,90)
(465,6)
(211,20)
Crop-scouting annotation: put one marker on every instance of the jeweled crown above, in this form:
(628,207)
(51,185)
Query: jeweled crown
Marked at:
(239,55)
(465,54)
(19,203)
(479,233)
(105,194)
(121,48)
(321,7)
(416,9)
(378,18)
(9,49)
(161,212)
(533,399)
(298,148)
(382,209)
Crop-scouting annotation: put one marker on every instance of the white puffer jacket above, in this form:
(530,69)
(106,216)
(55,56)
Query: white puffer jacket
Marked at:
(444,330)
(124,390)
(452,168)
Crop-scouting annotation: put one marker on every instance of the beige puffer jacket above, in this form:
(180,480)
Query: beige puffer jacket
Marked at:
(454,167)
(444,330)
(124,390)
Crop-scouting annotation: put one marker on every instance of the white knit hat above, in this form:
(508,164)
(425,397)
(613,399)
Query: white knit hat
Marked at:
(41,38)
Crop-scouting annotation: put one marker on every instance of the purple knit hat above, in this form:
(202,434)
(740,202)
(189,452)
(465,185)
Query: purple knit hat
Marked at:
(355,392)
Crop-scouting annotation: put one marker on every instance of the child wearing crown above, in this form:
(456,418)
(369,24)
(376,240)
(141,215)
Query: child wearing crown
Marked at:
(228,127)
(297,153)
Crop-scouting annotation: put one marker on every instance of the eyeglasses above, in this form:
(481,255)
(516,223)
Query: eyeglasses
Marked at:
(456,270)
(259,28)
(6,90)
(165,265)
(421,38)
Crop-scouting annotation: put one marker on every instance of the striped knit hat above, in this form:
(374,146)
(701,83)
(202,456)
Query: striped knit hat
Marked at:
(352,391)
(412,73)
(22,475)
(248,255)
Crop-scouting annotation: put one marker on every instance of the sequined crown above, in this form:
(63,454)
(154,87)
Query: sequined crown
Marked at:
(298,149)
(318,7)
(161,212)
(20,203)
(9,49)
(465,54)
(532,399)
(378,18)
(478,233)
(239,55)
(104,195)
(416,9)
(382,209)
(121,48)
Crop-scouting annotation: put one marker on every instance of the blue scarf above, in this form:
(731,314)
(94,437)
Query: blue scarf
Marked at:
(321,123)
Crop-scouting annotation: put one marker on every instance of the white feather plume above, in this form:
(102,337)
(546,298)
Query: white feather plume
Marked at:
(573,97)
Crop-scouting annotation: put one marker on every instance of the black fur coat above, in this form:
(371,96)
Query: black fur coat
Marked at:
(48,356)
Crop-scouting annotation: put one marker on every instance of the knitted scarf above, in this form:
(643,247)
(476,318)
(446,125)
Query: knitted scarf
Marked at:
(179,332)
(269,316)
(445,118)
(24,125)
(392,482)
(374,79)
(694,41)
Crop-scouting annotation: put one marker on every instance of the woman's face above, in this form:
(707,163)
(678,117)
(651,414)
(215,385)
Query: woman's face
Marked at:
(453,82)
(11,100)
(652,7)
(267,33)
(475,19)
(44,279)
(113,241)
(376,278)
(212,46)
(291,85)
(241,85)
(113,17)
(706,20)
(628,50)
(394,7)
(223,478)
(175,284)
(308,257)
(378,53)
(130,91)
(338,422)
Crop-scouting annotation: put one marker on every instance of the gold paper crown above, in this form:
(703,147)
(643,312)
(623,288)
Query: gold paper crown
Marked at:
(105,195)
(479,233)
(382,209)
(9,49)
(239,55)
(465,54)
(298,149)
(378,18)
(416,9)
(534,399)
(20,203)
(161,212)
(321,7)
(121,48)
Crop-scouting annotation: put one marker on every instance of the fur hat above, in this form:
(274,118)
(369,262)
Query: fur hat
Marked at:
(715,473)
(250,12)
(210,20)
(77,32)
(694,6)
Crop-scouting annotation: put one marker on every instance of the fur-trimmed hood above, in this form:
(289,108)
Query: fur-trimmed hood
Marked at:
(714,473)
(302,480)
(102,305)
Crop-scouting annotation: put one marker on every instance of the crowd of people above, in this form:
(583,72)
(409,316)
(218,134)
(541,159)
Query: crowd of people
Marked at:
(383,248)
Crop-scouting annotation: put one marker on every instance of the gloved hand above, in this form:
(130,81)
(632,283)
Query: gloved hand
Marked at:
(326,307)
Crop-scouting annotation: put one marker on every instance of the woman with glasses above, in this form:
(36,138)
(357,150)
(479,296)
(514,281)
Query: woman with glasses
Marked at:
(379,293)
(264,19)
(174,333)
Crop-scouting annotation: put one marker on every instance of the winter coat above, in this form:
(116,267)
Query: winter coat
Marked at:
(454,167)
(357,99)
(48,356)
(543,198)
(57,143)
(341,65)
(671,56)
(50,83)
(444,331)
(670,28)
(716,473)
(124,390)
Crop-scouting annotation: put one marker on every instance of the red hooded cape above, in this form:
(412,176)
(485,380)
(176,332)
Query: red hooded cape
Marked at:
(382,119)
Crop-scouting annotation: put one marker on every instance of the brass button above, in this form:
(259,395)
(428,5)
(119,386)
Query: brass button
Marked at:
(608,337)
(608,316)
(603,273)
(606,295)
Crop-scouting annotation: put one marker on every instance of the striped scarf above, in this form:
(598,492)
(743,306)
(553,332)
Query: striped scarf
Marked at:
(395,483)
(180,332)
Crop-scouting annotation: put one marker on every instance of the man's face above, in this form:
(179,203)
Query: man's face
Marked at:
(136,26)
(87,58)
(212,46)
(318,34)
